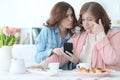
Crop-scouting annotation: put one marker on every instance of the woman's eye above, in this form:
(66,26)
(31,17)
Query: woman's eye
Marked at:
(82,19)
(89,19)
(66,16)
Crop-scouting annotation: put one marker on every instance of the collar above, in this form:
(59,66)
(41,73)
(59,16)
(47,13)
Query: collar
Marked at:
(68,36)
(57,30)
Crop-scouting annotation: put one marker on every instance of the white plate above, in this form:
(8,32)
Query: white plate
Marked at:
(105,74)
(84,74)
(46,72)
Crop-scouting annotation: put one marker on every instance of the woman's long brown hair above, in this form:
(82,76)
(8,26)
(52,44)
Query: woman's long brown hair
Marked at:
(58,13)
(98,12)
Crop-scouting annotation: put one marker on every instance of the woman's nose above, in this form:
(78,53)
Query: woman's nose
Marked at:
(70,18)
(86,23)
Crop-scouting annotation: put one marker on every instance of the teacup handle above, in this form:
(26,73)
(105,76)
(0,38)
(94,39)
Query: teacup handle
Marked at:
(77,66)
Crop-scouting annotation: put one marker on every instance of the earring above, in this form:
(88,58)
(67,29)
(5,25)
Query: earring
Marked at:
(77,29)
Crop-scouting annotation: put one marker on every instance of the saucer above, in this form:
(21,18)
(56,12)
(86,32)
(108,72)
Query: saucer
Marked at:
(46,72)
(59,70)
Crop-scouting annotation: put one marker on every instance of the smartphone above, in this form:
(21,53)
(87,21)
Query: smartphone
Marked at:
(68,47)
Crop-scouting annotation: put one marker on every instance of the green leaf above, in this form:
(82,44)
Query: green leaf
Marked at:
(12,41)
(2,38)
(1,43)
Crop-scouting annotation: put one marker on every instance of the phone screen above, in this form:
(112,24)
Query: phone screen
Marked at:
(68,47)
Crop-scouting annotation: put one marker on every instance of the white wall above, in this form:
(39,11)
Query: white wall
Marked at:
(33,13)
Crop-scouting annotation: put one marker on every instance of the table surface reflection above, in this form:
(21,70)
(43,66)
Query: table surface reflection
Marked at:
(62,75)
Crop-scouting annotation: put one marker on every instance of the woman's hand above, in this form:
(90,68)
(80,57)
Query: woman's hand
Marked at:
(97,28)
(71,57)
(58,51)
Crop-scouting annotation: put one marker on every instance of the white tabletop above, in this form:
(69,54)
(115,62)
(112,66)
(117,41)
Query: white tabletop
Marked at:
(59,76)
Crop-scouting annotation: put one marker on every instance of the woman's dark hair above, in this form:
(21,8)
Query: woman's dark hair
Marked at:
(98,12)
(58,13)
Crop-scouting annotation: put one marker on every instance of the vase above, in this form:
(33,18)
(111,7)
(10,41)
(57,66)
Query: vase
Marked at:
(5,58)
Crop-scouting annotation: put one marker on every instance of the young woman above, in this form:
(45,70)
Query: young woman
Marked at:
(96,43)
(56,32)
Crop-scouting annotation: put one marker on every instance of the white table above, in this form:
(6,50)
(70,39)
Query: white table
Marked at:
(37,76)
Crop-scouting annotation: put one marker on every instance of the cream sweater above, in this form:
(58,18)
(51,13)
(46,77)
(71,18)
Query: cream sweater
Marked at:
(86,54)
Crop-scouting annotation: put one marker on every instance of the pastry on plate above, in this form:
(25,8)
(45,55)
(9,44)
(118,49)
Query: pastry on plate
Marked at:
(82,69)
(92,70)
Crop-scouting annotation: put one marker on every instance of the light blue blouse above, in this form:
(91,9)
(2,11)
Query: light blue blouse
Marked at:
(47,40)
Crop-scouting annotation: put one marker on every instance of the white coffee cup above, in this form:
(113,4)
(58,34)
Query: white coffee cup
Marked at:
(53,66)
(84,65)
(17,66)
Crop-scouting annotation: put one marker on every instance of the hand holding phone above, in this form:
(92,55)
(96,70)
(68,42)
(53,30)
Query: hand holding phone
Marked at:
(68,47)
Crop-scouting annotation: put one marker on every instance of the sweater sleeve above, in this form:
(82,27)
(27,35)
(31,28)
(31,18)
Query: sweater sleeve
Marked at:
(109,49)
(41,51)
